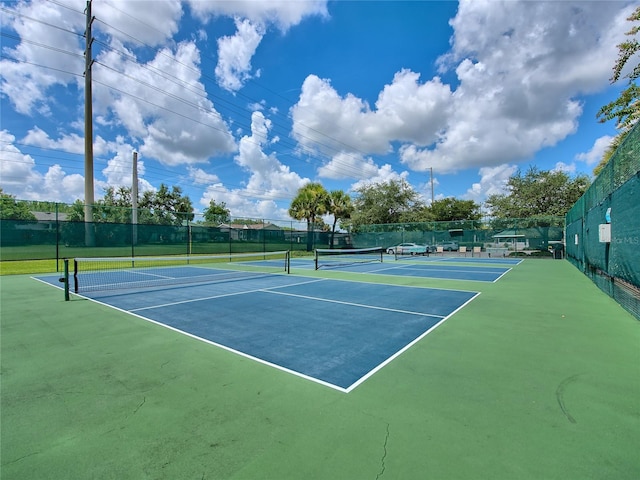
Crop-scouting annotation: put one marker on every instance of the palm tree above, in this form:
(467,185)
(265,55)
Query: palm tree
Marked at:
(339,204)
(310,203)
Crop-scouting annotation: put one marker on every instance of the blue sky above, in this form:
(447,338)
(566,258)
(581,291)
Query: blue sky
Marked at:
(244,102)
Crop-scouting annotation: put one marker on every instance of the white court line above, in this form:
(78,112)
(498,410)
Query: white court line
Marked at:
(372,307)
(280,367)
(405,348)
(220,345)
(472,270)
(508,270)
(410,267)
(192,300)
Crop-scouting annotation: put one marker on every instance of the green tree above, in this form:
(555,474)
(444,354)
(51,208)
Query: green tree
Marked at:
(626,108)
(390,202)
(76,213)
(449,209)
(11,209)
(165,207)
(217,213)
(537,193)
(115,206)
(340,206)
(309,204)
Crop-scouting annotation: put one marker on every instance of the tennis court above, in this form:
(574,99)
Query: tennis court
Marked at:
(413,266)
(349,331)
(535,377)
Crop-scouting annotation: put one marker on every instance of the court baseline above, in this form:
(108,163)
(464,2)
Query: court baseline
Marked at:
(334,332)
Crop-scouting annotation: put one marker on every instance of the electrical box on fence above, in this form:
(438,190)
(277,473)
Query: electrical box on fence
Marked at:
(604,233)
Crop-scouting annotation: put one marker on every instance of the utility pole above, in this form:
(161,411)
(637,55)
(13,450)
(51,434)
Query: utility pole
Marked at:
(431,170)
(89,234)
(134,200)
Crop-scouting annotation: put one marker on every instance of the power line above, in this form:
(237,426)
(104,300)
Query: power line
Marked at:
(342,167)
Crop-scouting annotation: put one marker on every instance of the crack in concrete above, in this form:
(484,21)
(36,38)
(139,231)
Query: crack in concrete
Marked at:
(384,455)
(144,399)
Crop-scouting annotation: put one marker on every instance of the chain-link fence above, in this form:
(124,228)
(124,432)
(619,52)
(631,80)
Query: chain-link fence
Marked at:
(603,227)
(532,237)
(51,234)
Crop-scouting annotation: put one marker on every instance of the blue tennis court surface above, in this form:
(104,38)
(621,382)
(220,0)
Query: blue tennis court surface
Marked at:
(334,332)
(418,268)
(470,260)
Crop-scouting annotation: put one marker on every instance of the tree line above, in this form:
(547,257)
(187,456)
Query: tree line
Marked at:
(534,193)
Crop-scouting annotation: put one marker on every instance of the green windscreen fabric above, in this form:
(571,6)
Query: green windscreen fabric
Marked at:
(509,236)
(624,256)
(612,201)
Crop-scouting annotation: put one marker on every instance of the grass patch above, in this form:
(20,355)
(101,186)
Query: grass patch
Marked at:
(22,267)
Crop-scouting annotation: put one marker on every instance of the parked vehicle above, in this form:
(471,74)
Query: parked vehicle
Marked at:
(450,246)
(408,249)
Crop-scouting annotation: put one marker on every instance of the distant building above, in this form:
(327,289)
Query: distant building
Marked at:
(254,232)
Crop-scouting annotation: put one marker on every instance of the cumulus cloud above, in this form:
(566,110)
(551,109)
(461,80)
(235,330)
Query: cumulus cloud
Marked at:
(282,13)
(20,176)
(348,165)
(168,112)
(160,22)
(119,169)
(24,85)
(594,155)
(72,143)
(565,167)
(171,114)
(199,177)
(252,19)
(384,174)
(235,53)
(521,68)
(493,181)
(267,173)
(269,179)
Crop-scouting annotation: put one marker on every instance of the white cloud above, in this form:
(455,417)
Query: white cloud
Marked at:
(493,181)
(200,177)
(521,69)
(594,155)
(171,114)
(235,53)
(405,110)
(119,169)
(57,184)
(565,167)
(71,143)
(521,66)
(269,179)
(162,101)
(348,165)
(384,174)
(26,80)
(252,19)
(20,177)
(282,13)
(160,22)
(267,173)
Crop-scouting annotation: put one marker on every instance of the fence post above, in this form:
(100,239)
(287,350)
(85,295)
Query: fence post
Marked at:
(57,239)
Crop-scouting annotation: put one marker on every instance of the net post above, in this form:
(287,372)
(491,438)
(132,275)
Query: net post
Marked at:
(288,261)
(381,254)
(65,279)
(316,259)
(75,275)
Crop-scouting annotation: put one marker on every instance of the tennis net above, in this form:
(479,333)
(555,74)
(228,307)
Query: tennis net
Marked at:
(109,273)
(329,258)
